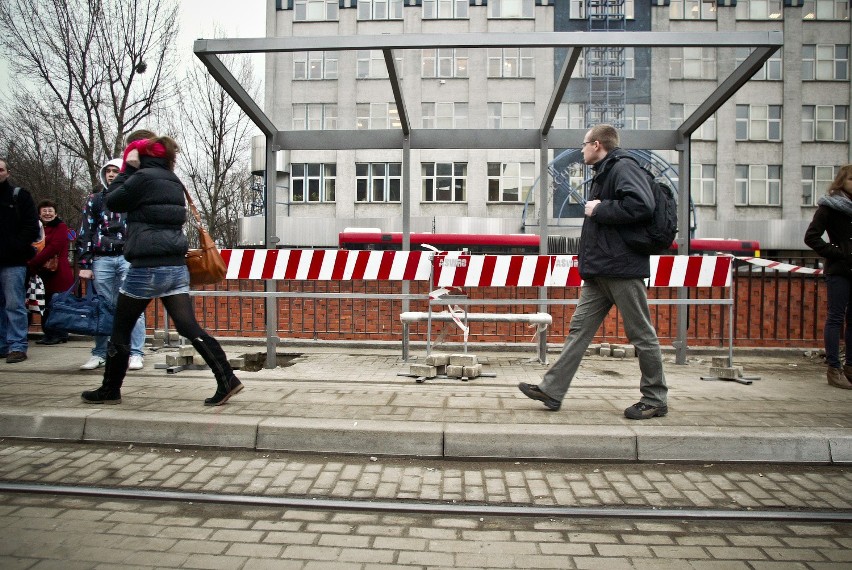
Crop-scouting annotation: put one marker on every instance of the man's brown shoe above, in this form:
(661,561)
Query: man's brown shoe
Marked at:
(534,392)
(835,377)
(16,356)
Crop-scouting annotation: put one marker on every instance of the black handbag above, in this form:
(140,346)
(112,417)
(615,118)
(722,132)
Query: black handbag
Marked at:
(89,314)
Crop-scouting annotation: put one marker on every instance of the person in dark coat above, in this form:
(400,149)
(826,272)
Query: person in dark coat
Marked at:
(18,231)
(613,274)
(51,264)
(156,247)
(834,217)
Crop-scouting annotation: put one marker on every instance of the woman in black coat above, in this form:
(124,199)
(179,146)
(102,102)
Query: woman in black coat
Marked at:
(156,246)
(834,216)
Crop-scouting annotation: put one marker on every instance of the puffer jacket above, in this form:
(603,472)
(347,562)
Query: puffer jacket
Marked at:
(837,251)
(624,190)
(102,231)
(153,198)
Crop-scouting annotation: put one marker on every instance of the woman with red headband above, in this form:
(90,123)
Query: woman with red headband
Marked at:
(152,195)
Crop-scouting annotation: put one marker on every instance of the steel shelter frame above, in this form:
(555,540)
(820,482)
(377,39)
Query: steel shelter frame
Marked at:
(544,138)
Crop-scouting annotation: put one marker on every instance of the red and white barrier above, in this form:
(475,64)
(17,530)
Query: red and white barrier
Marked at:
(777,265)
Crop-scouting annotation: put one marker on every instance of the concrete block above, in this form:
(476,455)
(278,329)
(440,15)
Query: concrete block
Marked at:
(237,363)
(605,351)
(727,372)
(526,442)
(629,350)
(605,345)
(175,360)
(463,359)
(472,371)
(424,370)
(161,334)
(210,429)
(437,359)
(721,444)
(840,446)
(64,425)
(367,437)
(455,371)
(187,350)
(618,353)
(719,362)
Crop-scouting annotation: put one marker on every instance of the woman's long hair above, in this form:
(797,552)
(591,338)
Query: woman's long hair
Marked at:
(171,148)
(837,186)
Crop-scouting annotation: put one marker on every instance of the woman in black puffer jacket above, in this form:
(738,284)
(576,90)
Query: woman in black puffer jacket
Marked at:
(156,246)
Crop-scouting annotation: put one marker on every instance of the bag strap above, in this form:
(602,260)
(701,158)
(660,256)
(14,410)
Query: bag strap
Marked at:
(192,208)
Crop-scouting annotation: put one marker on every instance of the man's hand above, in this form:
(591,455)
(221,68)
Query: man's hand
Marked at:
(86,274)
(590,207)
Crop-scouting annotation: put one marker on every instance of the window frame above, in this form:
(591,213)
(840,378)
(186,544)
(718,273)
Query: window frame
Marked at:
(378,112)
(814,65)
(366,10)
(753,118)
(366,183)
(703,183)
(457,177)
(525,114)
(522,175)
(702,57)
(773,67)
(327,116)
(811,121)
(328,65)
(499,58)
(456,118)
(522,9)
(456,60)
(459,10)
(331,10)
(812,183)
(746,188)
(839,7)
(325,176)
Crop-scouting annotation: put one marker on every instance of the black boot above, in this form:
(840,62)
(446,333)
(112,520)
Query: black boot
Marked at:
(227,384)
(118,356)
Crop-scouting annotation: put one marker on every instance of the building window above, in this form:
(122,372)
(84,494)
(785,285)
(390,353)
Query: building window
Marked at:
(703,184)
(444,62)
(637,117)
(607,62)
(825,10)
(511,8)
(314,10)
(772,69)
(314,116)
(679,112)
(758,123)
(314,65)
(378,181)
(446,115)
(759,10)
(577,116)
(510,181)
(444,181)
(692,63)
(445,9)
(370,64)
(511,62)
(312,182)
(511,115)
(560,121)
(692,10)
(816,180)
(380,9)
(376,116)
(828,123)
(758,185)
(825,62)
(582,9)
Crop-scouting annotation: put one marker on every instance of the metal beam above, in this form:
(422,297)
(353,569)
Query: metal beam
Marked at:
(229,83)
(397,91)
(559,90)
(485,40)
(726,89)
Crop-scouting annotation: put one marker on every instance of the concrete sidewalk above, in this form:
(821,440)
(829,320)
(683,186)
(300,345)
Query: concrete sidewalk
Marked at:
(332,399)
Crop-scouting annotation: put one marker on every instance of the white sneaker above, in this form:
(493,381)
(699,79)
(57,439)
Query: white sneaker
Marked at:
(136,362)
(93,362)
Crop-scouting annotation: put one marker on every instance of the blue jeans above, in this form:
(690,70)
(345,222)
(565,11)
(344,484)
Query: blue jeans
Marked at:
(110,272)
(13,318)
(597,296)
(838,321)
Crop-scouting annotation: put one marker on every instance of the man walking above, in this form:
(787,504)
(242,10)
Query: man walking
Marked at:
(18,231)
(612,274)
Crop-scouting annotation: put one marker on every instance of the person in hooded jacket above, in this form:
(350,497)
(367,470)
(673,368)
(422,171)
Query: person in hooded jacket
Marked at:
(51,264)
(153,197)
(613,274)
(100,247)
(834,217)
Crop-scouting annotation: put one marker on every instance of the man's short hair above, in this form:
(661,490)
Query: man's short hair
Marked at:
(5,162)
(605,134)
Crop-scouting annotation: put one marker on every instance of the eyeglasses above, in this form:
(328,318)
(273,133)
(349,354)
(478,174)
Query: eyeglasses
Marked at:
(587,142)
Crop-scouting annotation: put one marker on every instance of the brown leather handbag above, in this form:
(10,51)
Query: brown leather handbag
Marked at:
(205,264)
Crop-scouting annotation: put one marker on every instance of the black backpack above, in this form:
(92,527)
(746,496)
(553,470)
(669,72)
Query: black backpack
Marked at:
(655,236)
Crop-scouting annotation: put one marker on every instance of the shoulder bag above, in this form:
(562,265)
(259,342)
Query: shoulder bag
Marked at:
(89,314)
(205,264)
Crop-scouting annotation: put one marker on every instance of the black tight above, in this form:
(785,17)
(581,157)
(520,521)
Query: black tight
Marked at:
(179,307)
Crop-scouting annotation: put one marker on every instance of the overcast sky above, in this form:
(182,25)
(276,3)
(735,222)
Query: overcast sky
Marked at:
(200,19)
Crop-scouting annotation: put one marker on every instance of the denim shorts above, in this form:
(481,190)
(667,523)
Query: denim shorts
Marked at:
(154,282)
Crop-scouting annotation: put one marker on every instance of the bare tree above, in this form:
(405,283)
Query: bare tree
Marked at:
(96,68)
(217,142)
